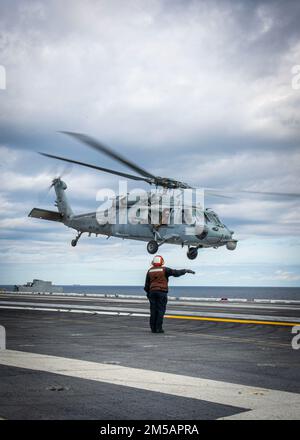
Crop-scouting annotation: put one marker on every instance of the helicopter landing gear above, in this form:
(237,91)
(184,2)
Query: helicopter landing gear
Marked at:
(152,247)
(192,253)
(75,240)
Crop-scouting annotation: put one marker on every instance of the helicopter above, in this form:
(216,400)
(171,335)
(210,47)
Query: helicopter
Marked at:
(151,220)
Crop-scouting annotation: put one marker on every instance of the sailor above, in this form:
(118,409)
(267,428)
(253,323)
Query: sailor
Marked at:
(156,286)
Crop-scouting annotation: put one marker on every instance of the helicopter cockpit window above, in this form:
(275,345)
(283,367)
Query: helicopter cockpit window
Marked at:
(219,223)
(207,219)
(212,217)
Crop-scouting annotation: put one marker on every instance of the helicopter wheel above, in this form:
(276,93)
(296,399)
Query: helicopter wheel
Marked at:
(152,247)
(192,253)
(74,243)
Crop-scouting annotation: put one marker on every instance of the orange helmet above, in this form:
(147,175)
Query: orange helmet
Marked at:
(158,261)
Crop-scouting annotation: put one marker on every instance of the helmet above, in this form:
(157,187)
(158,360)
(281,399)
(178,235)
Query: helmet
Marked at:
(158,261)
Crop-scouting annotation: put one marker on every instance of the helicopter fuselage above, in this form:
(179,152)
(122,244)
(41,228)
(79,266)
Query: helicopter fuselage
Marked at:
(214,235)
(204,229)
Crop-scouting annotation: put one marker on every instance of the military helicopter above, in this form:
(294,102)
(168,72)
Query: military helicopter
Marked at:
(201,228)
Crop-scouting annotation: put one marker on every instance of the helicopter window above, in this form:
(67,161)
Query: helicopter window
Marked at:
(197,215)
(165,216)
(186,217)
(207,219)
(219,223)
(212,217)
(171,217)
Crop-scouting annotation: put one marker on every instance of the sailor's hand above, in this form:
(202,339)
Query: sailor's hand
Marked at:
(190,271)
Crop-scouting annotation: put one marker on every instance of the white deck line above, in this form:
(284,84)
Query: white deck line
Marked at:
(171,298)
(140,312)
(143,300)
(261,403)
(70,310)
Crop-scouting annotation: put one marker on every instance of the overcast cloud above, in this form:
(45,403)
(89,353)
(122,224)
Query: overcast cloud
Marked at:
(196,90)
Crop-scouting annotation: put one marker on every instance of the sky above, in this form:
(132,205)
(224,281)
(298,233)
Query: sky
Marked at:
(205,92)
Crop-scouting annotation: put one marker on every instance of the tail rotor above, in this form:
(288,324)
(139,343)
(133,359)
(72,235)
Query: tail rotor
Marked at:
(60,173)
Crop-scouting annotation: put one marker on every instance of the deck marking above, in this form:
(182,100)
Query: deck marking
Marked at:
(240,321)
(261,403)
(119,311)
(172,302)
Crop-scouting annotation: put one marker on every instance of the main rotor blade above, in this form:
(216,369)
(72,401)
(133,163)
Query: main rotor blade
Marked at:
(109,152)
(106,170)
(266,193)
(214,191)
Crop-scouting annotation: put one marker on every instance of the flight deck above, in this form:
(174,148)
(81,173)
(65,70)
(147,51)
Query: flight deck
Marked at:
(87,357)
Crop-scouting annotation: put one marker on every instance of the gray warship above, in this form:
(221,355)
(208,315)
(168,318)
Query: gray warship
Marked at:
(38,286)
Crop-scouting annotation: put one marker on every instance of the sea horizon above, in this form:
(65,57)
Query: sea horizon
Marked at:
(246,292)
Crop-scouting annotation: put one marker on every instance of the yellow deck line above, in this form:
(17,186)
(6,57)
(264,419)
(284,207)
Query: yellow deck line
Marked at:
(240,321)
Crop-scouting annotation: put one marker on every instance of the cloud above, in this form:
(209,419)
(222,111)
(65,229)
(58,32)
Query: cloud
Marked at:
(199,91)
(151,74)
(258,171)
(286,276)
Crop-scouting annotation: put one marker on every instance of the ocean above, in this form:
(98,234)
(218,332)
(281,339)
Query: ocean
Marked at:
(289,293)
